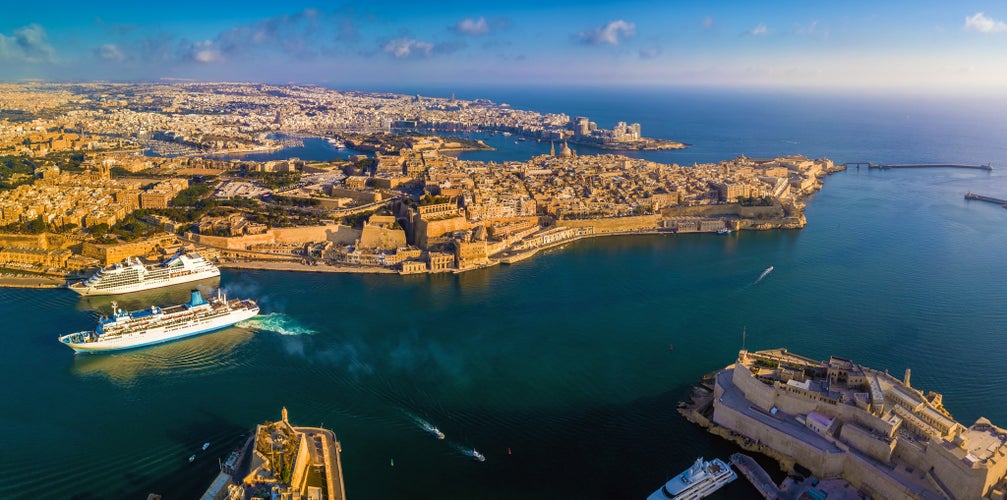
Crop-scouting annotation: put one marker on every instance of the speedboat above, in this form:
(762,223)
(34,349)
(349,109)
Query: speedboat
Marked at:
(478,456)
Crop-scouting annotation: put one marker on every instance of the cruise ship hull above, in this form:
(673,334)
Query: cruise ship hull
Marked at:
(161,334)
(86,291)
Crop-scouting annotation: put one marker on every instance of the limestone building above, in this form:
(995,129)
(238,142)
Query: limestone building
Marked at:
(841,419)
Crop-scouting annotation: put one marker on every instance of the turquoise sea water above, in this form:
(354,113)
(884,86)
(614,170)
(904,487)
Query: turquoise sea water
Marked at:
(563,359)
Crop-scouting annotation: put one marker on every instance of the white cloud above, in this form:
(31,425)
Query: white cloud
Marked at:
(404,47)
(110,52)
(206,52)
(473,27)
(27,44)
(984,24)
(612,33)
(759,30)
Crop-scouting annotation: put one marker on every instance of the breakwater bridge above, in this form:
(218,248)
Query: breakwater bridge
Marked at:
(987,199)
(858,164)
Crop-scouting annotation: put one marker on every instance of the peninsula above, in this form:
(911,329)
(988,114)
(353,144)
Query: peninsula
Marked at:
(837,418)
(79,195)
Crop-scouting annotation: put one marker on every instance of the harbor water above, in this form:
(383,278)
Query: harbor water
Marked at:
(563,370)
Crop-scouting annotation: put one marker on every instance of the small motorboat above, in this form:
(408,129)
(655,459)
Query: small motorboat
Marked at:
(478,456)
(192,458)
(206,445)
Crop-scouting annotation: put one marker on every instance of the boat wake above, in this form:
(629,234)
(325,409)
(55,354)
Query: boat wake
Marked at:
(470,452)
(763,275)
(276,322)
(426,426)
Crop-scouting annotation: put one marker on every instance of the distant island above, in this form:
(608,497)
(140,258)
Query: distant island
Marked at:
(76,193)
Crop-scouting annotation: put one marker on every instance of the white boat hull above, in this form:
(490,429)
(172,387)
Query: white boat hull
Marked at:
(162,334)
(145,285)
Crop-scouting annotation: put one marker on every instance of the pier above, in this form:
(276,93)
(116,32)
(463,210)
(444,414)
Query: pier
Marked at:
(987,166)
(858,164)
(756,475)
(987,199)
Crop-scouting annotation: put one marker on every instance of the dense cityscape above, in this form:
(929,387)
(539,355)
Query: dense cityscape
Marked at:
(81,183)
(591,250)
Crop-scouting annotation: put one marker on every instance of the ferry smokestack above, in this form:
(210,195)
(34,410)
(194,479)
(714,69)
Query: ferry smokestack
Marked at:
(195,298)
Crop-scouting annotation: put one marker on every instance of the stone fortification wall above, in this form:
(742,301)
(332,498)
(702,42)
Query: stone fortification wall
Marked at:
(374,236)
(869,479)
(299,478)
(358,196)
(38,241)
(117,252)
(958,477)
(335,233)
(868,443)
(761,395)
(824,465)
(770,212)
(429,229)
(912,453)
(614,224)
(766,396)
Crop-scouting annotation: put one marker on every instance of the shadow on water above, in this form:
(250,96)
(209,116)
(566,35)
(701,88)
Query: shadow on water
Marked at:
(164,296)
(207,352)
(180,478)
(607,443)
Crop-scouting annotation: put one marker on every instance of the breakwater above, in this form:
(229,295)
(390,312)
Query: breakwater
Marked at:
(930,165)
(987,199)
(883,166)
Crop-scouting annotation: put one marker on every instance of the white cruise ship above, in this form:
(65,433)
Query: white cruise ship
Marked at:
(131,275)
(127,330)
(698,481)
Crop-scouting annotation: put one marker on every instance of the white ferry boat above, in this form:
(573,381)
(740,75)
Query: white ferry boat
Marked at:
(698,481)
(131,275)
(126,330)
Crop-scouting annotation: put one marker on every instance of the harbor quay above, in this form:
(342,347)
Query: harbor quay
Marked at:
(839,419)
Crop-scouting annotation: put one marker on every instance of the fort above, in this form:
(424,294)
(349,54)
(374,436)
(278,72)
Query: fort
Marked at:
(839,419)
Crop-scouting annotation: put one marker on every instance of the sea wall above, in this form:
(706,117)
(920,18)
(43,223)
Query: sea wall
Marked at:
(614,224)
(824,464)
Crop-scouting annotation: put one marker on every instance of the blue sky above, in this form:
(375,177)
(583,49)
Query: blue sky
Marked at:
(951,46)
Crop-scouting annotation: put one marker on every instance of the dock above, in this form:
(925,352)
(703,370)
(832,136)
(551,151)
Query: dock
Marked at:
(987,166)
(756,475)
(987,199)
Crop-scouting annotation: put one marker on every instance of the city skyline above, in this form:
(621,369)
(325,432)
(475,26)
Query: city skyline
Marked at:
(901,46)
